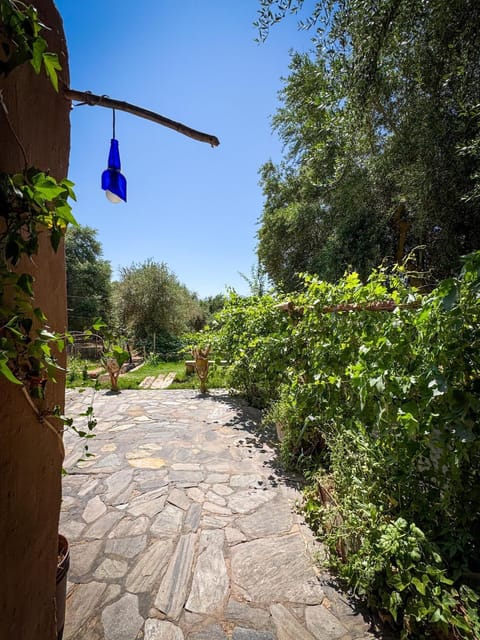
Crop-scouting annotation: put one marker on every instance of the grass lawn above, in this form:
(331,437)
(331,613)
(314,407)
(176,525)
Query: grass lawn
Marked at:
(132,380)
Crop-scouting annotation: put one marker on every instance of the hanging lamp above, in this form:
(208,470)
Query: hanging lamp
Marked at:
(114,182)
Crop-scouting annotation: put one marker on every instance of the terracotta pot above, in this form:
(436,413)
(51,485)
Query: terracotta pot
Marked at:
(61,593)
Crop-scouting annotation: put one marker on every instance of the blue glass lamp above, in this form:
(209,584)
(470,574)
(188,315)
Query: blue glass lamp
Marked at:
(114,182)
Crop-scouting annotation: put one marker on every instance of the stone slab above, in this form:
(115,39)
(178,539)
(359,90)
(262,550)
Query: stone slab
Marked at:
(323,624)
(272,518)
(196,494)
(240,633)
(126,547)
(217,478)
(103,525)
(173,589)
(234,536)
(248,501)
(186,478)
(111,569)
(178,499)
(163,380)
(109,462)
(122,620)
(117,484)
(247,616)
(147,463)
(245,480)
(276,568)
(90,485)
(288,627)
(112,592)
(71,529)
(217,509)
(211,496)
(148,504)
(212,632)
(162,630)
(149,568)
(82,600)
(168,522)
(210,580)
(215,522)
(222,489)
(83,556)
(94,509)
(129,527)
(192,519)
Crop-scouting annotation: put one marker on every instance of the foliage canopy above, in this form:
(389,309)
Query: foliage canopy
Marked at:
(381,132)
(150,300)
(88,279)
(382,410)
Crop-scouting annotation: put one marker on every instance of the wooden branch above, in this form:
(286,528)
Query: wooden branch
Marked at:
(287,307)
(381,305)
(103,101)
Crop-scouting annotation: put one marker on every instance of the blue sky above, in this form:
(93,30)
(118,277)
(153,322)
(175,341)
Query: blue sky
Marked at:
(191,206)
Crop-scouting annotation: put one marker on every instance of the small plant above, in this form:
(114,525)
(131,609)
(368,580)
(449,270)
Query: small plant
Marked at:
(404,578)
(114,355)
(86,433)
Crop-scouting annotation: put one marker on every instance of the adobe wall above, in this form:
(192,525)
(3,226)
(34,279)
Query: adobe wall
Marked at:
(30,454)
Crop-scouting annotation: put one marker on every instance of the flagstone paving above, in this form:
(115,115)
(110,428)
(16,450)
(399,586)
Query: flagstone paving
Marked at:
(180,528)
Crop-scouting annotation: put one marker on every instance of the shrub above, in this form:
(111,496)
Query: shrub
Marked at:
(387,403)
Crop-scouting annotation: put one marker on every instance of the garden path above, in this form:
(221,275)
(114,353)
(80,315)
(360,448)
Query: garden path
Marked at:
(162,381)
(181,528)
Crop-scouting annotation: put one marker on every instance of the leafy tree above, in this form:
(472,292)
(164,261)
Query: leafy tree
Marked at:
(382,137)
(257,280)
(88,279)
(211,305)
(150,300)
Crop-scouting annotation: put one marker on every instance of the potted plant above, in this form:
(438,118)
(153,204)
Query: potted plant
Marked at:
(63,565)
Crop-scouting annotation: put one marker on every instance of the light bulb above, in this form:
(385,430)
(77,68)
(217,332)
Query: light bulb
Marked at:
(112,197)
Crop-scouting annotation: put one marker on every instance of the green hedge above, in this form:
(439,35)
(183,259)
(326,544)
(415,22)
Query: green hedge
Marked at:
(383,409)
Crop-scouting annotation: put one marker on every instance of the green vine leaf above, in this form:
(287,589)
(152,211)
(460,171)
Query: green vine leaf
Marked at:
(38,49)
(5,370)
(65,213)
(22,42)
(52,65)
(25,283)
(31,202)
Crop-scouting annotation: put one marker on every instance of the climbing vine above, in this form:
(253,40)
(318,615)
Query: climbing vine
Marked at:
(21,41)
(376,390)
(32,203)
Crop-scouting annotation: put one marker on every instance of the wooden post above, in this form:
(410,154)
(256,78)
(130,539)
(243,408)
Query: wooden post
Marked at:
(30,455)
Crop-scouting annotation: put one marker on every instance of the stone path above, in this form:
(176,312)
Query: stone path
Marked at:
(162,381)
(181,529)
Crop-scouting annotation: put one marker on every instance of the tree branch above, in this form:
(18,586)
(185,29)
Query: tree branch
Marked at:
(380,305)
(103,101)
